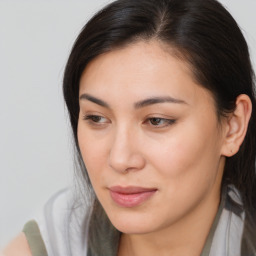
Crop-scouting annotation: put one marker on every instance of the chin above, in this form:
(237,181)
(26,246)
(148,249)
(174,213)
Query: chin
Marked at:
(133,229)
(133,223)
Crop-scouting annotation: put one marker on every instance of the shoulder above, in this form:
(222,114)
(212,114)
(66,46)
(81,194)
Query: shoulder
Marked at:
(60,228)
(17,247)
(64,222)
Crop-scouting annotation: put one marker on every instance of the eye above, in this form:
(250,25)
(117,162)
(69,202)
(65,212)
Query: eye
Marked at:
(160,122)
(95,119)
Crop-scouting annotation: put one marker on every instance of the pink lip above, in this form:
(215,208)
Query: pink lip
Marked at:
(131,196)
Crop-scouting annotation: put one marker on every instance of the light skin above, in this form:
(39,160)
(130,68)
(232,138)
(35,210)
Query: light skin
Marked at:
(17,247)
(176,146)
(145,122)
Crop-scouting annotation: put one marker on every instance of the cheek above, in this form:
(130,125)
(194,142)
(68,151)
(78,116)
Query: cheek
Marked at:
(187,168)
(189,154)
(92,151)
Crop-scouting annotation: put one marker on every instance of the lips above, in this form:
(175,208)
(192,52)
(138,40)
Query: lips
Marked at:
(131,196)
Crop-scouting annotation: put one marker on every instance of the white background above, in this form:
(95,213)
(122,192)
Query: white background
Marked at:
(35,140)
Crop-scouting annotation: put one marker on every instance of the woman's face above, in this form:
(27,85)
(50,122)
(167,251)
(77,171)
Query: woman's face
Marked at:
(149,138)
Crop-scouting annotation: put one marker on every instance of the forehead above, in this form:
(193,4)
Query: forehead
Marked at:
(142,69)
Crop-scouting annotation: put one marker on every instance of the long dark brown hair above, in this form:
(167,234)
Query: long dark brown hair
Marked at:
(206,36)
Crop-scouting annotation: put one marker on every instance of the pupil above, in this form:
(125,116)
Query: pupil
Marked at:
(96,118)
(155,121)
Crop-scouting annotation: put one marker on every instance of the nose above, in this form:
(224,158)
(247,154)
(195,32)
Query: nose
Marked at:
(125,154)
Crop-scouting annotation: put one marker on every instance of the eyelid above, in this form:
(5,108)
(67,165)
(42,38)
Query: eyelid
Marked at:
(98,120)
(89,118)
(167,121)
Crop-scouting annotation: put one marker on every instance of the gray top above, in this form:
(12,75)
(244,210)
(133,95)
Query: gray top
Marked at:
(34,238)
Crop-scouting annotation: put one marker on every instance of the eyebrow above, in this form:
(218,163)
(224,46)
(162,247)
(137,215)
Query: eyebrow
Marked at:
(156,100)
(97,101)
(137,105)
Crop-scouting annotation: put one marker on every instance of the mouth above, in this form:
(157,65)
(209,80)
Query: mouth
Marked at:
(131,196)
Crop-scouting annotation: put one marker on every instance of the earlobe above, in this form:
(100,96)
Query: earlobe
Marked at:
(236,126)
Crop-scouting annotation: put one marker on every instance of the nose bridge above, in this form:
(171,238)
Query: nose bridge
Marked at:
(124,153)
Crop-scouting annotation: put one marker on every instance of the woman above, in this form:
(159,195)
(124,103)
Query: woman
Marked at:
(161,101)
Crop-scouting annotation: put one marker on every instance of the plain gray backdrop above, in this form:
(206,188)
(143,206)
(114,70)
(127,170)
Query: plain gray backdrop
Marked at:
(35,143)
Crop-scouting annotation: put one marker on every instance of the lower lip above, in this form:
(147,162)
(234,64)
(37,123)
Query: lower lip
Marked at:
(131,200)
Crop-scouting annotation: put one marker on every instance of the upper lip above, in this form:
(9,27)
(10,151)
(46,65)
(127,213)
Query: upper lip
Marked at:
(130,189)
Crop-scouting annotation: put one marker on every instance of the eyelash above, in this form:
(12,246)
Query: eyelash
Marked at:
(90,118)
(166,122)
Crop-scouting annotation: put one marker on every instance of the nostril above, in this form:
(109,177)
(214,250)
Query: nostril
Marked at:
(124,162)
(124,154)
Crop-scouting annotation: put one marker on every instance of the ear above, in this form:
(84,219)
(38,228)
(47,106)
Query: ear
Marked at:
(235,126)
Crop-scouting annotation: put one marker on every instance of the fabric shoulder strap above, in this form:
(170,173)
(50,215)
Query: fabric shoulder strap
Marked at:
(34,238)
